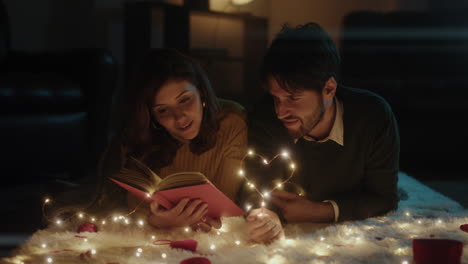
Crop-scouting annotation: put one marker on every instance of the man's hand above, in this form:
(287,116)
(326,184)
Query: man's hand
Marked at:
(185,213)
(296,208)
(207,223)
(263,226)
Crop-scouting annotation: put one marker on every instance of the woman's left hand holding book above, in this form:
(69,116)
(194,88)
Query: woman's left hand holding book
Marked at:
(185,213)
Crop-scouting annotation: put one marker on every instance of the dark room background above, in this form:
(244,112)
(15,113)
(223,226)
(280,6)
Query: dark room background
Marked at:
(426,83)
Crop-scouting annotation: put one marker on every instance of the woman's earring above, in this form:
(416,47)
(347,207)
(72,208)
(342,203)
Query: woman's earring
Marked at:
(203,104)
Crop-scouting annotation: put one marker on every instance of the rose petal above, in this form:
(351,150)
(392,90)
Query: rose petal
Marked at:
(85,255)
(188,244)
(196,260)
(87,227)
(464,228)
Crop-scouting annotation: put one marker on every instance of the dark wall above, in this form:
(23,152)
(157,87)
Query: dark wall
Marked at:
(51,24)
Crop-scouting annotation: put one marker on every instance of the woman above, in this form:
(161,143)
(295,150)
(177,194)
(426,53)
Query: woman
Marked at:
(175,123)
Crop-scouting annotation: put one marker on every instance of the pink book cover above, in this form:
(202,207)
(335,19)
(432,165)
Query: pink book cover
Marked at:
(219,205)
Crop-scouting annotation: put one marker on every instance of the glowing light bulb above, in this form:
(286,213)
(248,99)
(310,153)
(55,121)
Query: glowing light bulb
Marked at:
(148,195)
(85,240)
(187,229)
(141,223)
(405,262)
(153,237)
(251,152)
(46,200)
(285,154)
(164,255)
(263,203)
(218,233)
(292,165)
(127,222)
(212,247)
(93,251)
(248,207)
(322,238)
(80,215)
(93,219)
(407,213)
(241,173)
(419,222)
(265,161)
(138,254)
(44,245)
(279,185)
(58,222)
(241,2)
(50,260)
(140,250)
(103,222)
(439,221)
(266,194)
(237,242)
(116,218)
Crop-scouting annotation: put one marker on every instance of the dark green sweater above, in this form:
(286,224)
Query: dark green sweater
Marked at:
(361,176)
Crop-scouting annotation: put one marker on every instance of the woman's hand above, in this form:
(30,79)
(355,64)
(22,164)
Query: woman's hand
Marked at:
(263,226)
(185,213)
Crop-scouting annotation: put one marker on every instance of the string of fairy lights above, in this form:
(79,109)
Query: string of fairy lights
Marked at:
(353,236)
(323,247)
(280,183)
(250,153)
(125,219)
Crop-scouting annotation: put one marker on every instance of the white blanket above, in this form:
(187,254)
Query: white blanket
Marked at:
(386,239)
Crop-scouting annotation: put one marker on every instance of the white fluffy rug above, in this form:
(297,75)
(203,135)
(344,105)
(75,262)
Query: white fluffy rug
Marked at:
(387,239)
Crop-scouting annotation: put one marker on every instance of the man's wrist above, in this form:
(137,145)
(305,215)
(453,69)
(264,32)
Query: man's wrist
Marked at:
(336,210)
(324,213)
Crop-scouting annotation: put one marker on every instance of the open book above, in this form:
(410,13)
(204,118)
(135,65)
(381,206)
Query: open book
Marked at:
(169,191)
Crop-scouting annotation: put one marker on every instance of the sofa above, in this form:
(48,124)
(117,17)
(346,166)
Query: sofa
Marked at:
(54,119)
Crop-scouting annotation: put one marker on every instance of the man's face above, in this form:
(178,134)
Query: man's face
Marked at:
(300,111)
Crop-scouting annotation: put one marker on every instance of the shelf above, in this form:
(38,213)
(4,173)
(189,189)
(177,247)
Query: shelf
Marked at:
(229,46)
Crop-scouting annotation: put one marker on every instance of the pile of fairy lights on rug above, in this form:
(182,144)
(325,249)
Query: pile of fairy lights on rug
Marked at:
(412,227)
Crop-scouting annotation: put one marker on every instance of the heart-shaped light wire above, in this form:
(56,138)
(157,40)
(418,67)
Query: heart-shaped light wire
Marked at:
(266,194)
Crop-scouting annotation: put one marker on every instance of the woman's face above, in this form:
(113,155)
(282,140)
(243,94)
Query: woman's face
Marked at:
(178,108)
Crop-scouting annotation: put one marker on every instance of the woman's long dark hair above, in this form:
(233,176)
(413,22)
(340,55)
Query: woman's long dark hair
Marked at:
(143,136)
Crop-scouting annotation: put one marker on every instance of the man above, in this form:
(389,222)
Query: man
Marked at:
(344,141)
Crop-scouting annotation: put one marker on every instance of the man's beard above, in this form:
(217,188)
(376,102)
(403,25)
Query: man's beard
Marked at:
(308,123)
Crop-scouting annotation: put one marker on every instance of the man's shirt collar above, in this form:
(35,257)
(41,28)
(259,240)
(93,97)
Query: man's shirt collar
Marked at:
(337,131)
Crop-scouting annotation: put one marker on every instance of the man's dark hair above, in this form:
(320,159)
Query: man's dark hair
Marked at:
(303,57)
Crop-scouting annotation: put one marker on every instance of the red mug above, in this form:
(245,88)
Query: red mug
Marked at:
(437,251)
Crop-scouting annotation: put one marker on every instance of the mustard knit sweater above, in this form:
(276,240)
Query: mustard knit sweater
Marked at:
(219,164)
